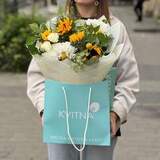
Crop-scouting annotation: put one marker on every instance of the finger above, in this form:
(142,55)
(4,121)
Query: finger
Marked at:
(113,127)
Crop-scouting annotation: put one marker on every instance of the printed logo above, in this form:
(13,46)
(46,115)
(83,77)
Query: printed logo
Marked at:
(94,107)
(75,115)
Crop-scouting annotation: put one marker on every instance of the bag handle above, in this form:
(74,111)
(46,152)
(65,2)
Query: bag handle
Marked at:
(67,120)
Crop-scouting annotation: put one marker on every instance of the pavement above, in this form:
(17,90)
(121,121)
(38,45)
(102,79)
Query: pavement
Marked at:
(20,125)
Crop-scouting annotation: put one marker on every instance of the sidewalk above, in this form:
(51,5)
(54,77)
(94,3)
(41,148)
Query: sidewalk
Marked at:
(126,14)
(141,135)
(20,125)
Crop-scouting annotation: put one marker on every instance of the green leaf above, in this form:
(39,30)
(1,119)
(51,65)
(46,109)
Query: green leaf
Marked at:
(31,41)
(106,53)
(1,34)
(103,39)
(91,38)
(32,49)
(34,27)
(96,29)
(97,40)
(43,27)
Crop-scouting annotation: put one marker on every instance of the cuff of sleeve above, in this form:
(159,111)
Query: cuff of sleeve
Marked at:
(40,106)
(120,111)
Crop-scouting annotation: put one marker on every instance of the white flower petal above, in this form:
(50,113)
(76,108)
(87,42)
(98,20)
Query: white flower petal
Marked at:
(51,24)
(53,37)
(45,46)
(102,18)
(38,44)
(64,47)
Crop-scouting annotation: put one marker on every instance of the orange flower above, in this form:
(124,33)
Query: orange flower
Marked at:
(97,49)
(76,37)
(45,34)
(64,26)
(94,47)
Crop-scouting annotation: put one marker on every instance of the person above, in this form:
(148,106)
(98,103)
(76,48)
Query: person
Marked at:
(127,85)
(138,8)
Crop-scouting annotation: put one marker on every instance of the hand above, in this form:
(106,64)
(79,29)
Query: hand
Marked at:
(115,123)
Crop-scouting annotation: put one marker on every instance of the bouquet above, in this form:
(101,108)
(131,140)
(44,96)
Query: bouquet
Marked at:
(74,50)
(75,56)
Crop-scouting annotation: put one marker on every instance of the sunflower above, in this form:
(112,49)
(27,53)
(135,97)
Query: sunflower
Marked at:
(89,46)
(97,49)
(64,26)
(76,37)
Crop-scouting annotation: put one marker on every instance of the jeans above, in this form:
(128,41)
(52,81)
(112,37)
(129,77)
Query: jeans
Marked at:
(68,152)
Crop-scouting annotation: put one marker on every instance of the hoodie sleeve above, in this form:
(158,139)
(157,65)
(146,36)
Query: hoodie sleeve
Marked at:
(35,86)
(127,83)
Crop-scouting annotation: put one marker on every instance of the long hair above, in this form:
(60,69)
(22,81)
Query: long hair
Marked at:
(103,9)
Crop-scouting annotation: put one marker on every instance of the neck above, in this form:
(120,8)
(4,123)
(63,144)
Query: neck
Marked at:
(86,11)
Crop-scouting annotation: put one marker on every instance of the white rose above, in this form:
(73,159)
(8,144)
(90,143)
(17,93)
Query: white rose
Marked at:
(38,44)
(93,22)
(64,47)
(104,28)
(45,46)
(51,24)
(53,37)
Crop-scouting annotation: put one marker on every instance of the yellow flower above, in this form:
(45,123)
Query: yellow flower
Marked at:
(97,49)
(62,56)
(89,45)
(76,37)
(45,34)
(64,26)
(94,47)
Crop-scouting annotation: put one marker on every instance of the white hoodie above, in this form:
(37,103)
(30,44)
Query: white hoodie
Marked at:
(127,83)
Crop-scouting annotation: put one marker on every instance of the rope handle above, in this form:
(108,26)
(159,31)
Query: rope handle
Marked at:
(67,121)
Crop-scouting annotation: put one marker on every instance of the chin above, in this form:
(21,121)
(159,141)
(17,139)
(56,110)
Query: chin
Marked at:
(85,1)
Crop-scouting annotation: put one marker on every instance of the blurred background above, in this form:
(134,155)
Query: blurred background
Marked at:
(20,125)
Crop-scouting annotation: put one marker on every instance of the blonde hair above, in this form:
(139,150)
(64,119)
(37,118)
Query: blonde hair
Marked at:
(103,9)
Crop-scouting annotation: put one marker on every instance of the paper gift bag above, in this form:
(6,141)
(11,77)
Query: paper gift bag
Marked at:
(78,114)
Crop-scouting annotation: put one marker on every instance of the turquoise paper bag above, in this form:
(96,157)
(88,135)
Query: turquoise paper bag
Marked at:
(78,113)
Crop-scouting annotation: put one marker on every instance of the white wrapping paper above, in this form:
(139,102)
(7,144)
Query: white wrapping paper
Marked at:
(63,72)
